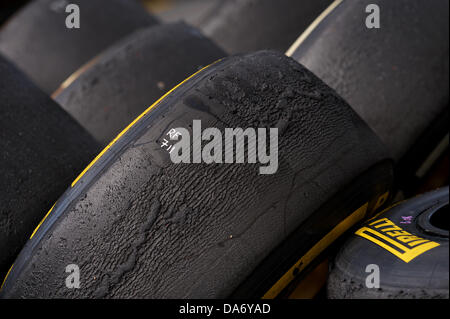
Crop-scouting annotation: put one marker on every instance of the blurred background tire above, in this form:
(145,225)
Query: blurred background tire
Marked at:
(111,91)
(37,40)
(395,77)
(8,8)
(241,26)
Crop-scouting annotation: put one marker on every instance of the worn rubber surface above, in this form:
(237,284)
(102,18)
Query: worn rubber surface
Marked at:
(42,150)
(293,260)
(424,276)
(131,75)
(241,26)
(139,225)
(395,77)
(37,39)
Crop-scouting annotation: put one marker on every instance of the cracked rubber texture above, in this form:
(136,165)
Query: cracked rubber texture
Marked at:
(395,77)
(241,26)
(130,76)
(140,226)
(37,40)
(426,276)
(42,150)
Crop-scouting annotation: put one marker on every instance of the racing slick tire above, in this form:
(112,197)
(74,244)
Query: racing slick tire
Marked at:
(241,26)
(137,224)
(408,245)
(38,40)
(396,76)
(123,81)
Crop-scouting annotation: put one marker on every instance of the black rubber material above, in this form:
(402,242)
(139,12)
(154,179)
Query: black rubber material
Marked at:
(140,226)
(425,276)
(367,187)
(241,26)
(8,8)
(396,77)
(408,180)
(37,40)
(131,75)
(42,150)
(192,12)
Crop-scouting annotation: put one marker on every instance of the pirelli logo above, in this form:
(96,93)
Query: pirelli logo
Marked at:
(394,239)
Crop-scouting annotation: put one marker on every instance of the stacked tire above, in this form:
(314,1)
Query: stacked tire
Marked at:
(139,225)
